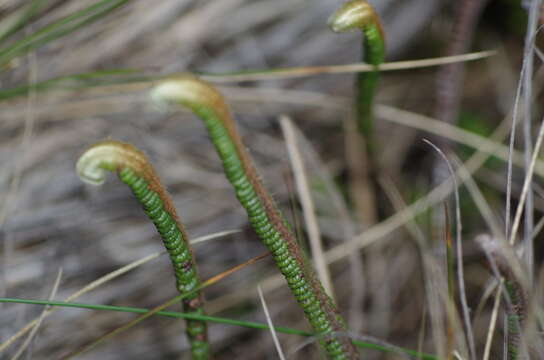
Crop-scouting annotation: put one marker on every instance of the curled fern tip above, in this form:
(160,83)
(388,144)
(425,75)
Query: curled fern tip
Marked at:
(104,156)
(186,90)
(135,170)
(352,15)
(265,217)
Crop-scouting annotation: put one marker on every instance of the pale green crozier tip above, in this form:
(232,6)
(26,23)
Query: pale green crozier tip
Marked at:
(186,90)
(360,15)
(352,15)
(93,165)
(265,217)
(135,170)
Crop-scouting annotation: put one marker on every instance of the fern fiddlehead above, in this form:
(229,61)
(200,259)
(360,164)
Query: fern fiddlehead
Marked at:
(133,169)
(359,14)
(264,216)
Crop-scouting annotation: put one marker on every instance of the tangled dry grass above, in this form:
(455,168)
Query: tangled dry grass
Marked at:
(51,221)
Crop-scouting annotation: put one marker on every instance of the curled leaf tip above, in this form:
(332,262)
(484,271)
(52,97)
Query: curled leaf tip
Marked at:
(268,222)
(352,15)
(186,90)
(108,155)
(133,169)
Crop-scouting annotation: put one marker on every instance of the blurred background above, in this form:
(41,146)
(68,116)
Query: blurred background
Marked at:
(50,220)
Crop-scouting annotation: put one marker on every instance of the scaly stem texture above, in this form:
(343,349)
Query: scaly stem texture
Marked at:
(359,14)
(504,261)
(262,212)
(134,169)
(516,307)
(515,317)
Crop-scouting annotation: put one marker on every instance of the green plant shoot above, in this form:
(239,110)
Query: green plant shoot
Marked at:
(505,263)
(265,217)
(135,170)
(359,14)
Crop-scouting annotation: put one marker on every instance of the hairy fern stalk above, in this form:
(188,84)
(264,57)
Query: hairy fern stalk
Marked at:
(135,170)
(505,263)
(264,216)
(353,15)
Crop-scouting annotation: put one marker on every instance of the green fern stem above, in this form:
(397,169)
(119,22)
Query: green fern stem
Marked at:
(359,14)
(514,317)
(368,81)
(505,264)
(515,303)
(264,216)
(133,169)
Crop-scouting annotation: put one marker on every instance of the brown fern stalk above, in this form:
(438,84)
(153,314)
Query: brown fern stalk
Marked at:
(264,215)
(135,170)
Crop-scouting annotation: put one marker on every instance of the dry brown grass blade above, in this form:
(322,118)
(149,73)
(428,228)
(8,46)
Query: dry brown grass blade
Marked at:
(42,316)
(433,282)
(432,271)
(337,204)
(435,196)
(493,321)
(454,133)
(382,229)
(270,324)
(343,69)
(308,208)
(533,21)
(479,200)
(232,270)
(450,329)
(459,250)
(117,89)
(527,184)
(99,282)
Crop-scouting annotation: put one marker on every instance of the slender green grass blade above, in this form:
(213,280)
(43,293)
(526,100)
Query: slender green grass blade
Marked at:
(214,319)
(59,28)
(78,81)
(27,13)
